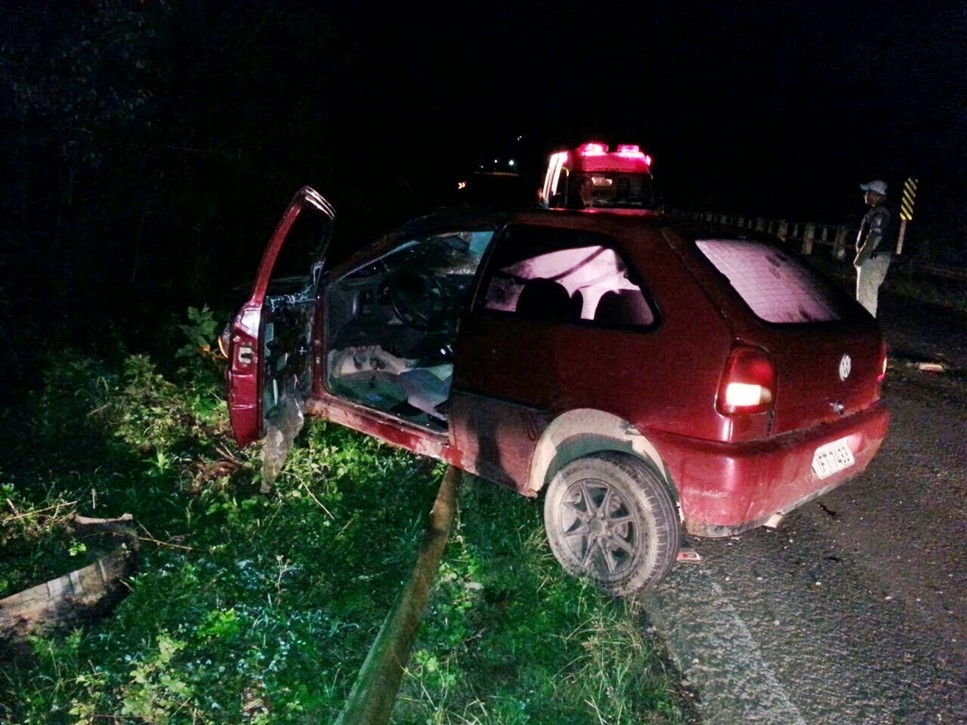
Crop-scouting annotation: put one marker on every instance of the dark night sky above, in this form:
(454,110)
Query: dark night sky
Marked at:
(765,108)
(149,146)
(779,108)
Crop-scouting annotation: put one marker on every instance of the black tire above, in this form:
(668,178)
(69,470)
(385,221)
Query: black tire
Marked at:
(610,518)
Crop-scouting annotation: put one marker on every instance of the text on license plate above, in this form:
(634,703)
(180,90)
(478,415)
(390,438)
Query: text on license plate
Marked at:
(832,457)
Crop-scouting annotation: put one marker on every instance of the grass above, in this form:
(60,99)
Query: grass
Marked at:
(260,607)
(511,640)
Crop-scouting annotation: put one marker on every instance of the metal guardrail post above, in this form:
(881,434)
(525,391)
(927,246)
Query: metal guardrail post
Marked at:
(839,246)
(374,692)
(808,235)
(790,232)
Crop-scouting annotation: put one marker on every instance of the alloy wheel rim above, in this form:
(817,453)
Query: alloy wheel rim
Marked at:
(599,529)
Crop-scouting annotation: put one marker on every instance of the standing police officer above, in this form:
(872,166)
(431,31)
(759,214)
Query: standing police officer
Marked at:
(872,254)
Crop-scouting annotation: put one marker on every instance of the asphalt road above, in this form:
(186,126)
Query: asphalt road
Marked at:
(855,609)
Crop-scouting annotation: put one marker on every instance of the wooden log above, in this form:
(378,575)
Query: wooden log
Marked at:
(88,521)
(378,681)
(68,600)
(121,527)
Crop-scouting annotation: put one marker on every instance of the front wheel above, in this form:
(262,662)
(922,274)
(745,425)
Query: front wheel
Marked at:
(611,519)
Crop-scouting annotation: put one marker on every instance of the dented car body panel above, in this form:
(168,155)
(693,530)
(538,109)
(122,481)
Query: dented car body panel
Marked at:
(735,487)
(510,344)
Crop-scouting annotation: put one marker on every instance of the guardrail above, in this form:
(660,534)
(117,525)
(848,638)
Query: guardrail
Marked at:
(808,235)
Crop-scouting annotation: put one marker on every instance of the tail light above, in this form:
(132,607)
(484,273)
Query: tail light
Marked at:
(748,384)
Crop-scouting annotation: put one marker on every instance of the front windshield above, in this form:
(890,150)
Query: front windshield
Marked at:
(456,253)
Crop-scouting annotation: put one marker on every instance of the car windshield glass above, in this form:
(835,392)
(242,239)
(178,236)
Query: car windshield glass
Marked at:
(777,286)
(615,190)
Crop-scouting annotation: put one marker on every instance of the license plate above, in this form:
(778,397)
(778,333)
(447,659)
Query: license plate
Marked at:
(831,458)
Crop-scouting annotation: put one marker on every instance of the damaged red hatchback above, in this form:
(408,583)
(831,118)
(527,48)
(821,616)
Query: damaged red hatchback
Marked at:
(648,376)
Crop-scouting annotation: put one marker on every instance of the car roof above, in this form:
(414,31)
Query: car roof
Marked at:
(453,217)
(675,231)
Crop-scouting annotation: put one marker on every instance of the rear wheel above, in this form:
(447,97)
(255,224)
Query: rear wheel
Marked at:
(611,519)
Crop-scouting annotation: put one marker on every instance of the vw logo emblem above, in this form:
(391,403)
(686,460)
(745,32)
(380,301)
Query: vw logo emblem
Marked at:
(845,365)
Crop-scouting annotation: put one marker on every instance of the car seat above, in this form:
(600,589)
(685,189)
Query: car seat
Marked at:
(623,307)
(545,299)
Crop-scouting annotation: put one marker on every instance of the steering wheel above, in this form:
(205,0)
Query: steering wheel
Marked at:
(418,298)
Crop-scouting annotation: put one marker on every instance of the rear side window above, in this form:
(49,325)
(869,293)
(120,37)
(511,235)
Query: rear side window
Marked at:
(776,285)
(563,276)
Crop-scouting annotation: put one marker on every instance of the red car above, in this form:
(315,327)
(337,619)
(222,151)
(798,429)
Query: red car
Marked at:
(648,377)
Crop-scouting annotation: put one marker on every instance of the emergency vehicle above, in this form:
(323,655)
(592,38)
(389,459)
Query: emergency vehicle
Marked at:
(593,177)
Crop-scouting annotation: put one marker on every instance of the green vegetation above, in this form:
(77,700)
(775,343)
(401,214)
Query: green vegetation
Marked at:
(260,607)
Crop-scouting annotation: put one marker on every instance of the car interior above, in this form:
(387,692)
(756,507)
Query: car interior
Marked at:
(574,284)
(391,324)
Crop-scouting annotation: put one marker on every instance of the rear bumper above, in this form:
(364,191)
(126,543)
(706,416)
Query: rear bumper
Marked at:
(725,488)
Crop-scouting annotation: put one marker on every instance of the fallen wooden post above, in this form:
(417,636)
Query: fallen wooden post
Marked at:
(63,602)
(77,597)
(374,692)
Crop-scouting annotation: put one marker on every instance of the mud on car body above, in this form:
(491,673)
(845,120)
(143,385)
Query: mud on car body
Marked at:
(647,377)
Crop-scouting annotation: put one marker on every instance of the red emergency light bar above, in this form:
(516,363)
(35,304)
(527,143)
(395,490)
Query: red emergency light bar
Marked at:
(633,151)
(594,156)
(592,148)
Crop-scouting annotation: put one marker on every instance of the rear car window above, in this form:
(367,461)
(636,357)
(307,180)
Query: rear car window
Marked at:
(777,286)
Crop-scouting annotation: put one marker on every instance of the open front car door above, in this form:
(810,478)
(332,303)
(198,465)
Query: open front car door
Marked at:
(271,342)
